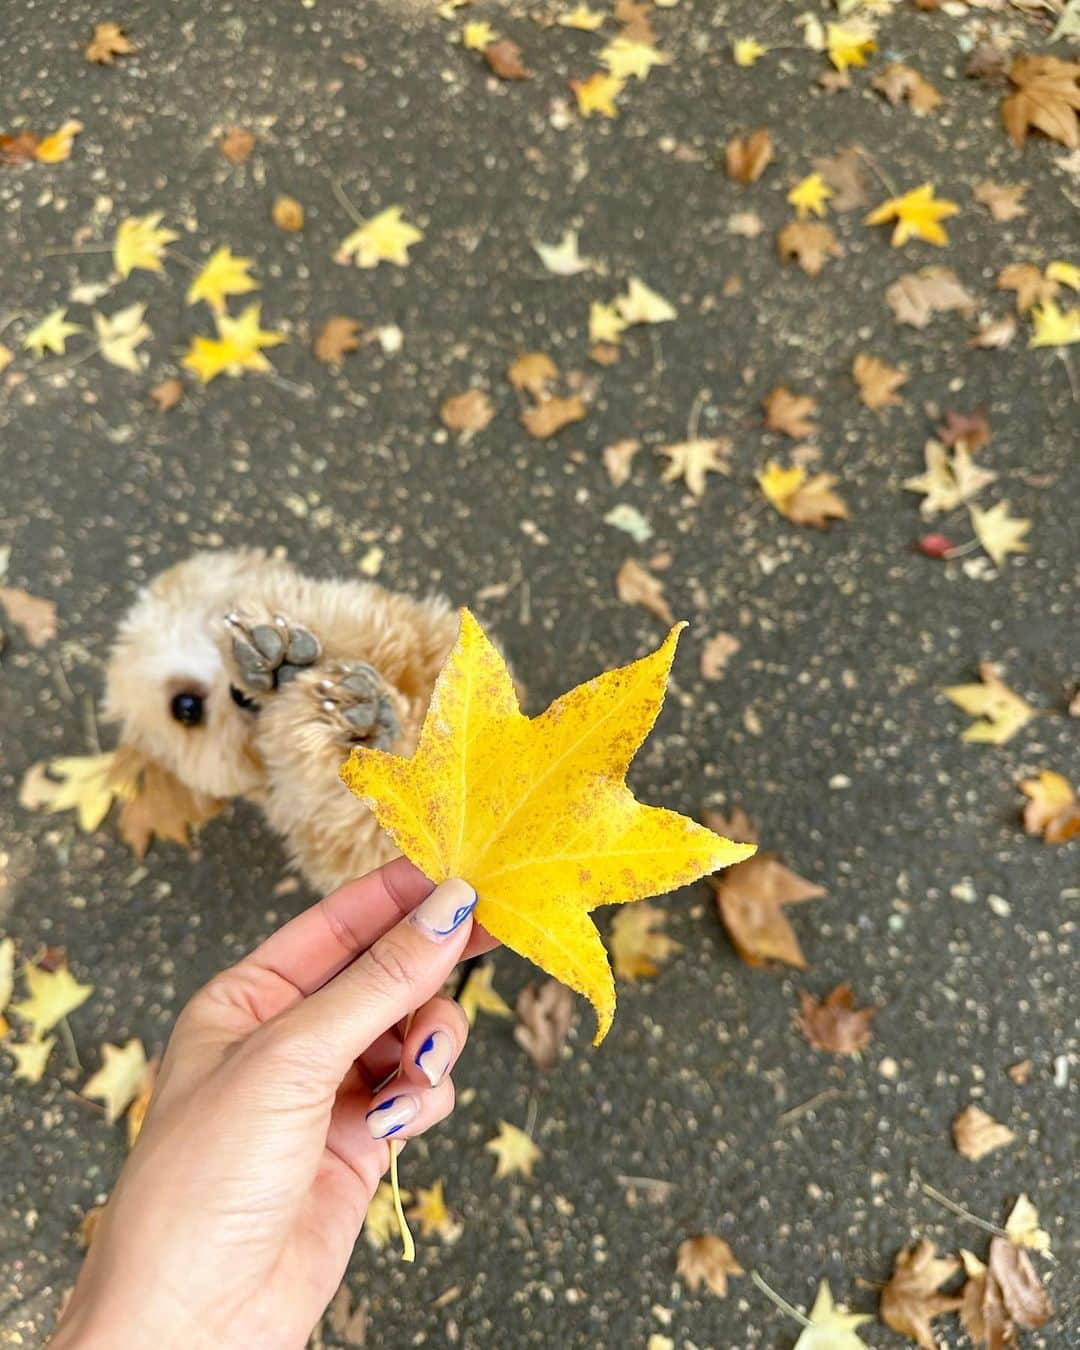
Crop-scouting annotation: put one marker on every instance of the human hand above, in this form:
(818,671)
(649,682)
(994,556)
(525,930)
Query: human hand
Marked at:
(233,1219)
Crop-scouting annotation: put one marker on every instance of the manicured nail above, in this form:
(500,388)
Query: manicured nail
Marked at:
(434,1057)
(445,909)
(389,1116)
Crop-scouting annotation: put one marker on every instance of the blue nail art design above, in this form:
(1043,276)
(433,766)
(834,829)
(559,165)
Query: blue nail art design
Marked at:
(433,1057)
(460,915)
(444,911)
(391,1115)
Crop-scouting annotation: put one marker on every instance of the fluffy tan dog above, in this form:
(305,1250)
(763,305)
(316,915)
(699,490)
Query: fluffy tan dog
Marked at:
(244,678)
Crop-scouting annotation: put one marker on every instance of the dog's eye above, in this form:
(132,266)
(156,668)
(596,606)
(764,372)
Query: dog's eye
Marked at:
(187,709)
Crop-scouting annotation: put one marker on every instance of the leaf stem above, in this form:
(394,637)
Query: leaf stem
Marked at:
(408,1246)
(944,1200)
(781,1303)
(346,205)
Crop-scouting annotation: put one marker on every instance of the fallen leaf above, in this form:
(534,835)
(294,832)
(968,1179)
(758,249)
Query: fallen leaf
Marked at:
(747,158)
(479,994)
(336,338)
(109,41)
(1068,274)
(804,501)
(1022,1227)
(1054,327)
(636,585)
(477,34)
(238,346)
(971,430)
(745,51)
(83,783)
(287,213)
(544,1016)
(809,196)
(948,480)
(30,1057)
(606,324)
(631,521)
(20,148)
(469,412)
(707,1260)
(6,357)
(835,1024)
(810,243)
(1001,713)
(504,801)
(548,417)
(1020,1072)
(141,1104)
(597,94)
(634,20)
(514,1151)
(156,804)
(533,373)
(51,334)
(692,460)
(504,59)
(998,333)
(748,224)
(431,1214)
(1029,283)
(830,1328)
(918,215)
(641,304)
(628,59)
(848,46)
(1003,202)
(877,381)
(844,174)
(564,258)
(1026,1301)
(237,144)
(118,1080)
(790,413)
(581,17)
(56,148)
(119,334)
(999,533)
(167,394)
(918,296)
(141,241)
(1046,99)
(617,460)
(636,942)
(1052,809)
(36,617)
(52,996)
(223,275)
(975,1133)
(898,82)
(715,655)
(384,238)
(380,1221)
(911,1301)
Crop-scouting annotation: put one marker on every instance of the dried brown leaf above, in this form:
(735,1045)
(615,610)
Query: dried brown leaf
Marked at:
(707,1260)
(747,158)
(1046,98)
(844,173)
(108,42)
(167,394)
(237,144)
(971,430)
(996,334)
(533,373)
(36,617)
(21,148)
(1022,1293)
(634,18)
(287,213)
(692,460)
(504,58)
(636,585)
(338,335)
(1031,286)
(835,1024)
(815,503)
(1052,809)
(811,244)
(751,896)
(918,296)
(544,1016)
(899,82)
(716,653)
(790,413)
(877,381)
(162,808)
(1001,200)
(911,1300)
(548,417)
(617,460)
(976,1133)
(468,412)
(737,826)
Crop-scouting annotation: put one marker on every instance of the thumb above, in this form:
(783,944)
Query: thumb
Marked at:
(402,970)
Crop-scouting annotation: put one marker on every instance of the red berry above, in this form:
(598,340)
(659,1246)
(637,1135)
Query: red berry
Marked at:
(935,546)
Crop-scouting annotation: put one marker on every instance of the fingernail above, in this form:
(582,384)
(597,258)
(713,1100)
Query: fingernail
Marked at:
(434,1057)
(445,909)
(389,1116)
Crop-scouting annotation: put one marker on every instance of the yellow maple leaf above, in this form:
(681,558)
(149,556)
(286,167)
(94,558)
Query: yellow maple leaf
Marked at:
(636,943)
(238,346)
(1054,327)
(999,533)
(119,334)
(57,147)
(745,51)
(918,215)
(583,18)
(597,94)
(52,995)
(477,34)
(431,1214)
(606,324)
(514,1151)
(1022,1227)
(223,275)
(119,1079)
(779,484)
(51,334)
(830,1328)
(1001,713)
(383,238)
(848,46)
(534,812)
(479,994)
(810,195)
(627,59)
(30,1058)
(83,783)
(641,304)
(1066,274)
(1052,809)
(141,242)
(380,1222)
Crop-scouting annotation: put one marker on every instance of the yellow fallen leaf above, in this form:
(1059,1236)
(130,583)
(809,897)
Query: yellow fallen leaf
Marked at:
(848,46)
(947,481)
(564,258)
(57,147)
(137,1110)
(636,942)
(641,304)
(141,242)
(51,334)
(287,213)
(514,1151)
(1052,811)
(477,34)
(83,783)
(119,1079)
(534,812)
(238,346)
(52,995)
(692,460)
(119,334)
(918,215)
(999,533)
(830,1328)
(627,59)
(479,994)
(30,1058)
(383,238)
(1054,327)
(779,483)
(1022,1227)
(1066,274)
(810,195)
(431,1214)
(745,51)
(380,1222)
(606,324)
(597,94)
(804,501)
(222,276)
(581,17)
(1001,713)
(6,357)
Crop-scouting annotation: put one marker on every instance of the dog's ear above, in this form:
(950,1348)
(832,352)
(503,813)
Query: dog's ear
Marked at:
(155,803)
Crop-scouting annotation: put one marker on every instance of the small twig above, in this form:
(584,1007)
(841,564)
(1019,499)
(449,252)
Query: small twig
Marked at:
(1067,363)
(658,354)
(346,205)
(66,691)
(962,549)
(90,717)
(700,399)
(184,262)
(300,390)
(794,1112)
(69,1043)
(82,248)
(643,1181)
(530,1116)
(66,363)
(781,1303)
(944,1200)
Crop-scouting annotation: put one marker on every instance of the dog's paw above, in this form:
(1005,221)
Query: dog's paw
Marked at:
(268,651)
(354,699)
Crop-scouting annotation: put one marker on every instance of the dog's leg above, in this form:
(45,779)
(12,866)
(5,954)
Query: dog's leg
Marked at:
(267,651)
